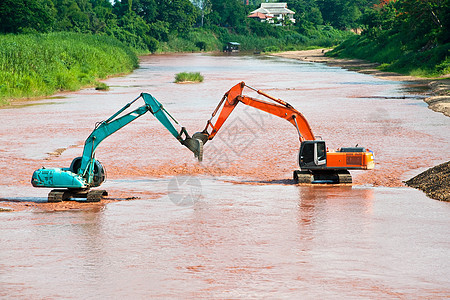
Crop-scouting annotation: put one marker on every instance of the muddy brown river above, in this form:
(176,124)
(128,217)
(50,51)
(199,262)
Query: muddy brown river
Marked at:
(234,226)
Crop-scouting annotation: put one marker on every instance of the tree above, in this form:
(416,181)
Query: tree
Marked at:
(380,17)
(343,14)
(18,16)
(425,20)
(135,32)
(103,15)
(340,14)
(73,15)
(159,30)
(227,13)
(205,8)
(419,23)
(306,12)
(146,9)
(179,14)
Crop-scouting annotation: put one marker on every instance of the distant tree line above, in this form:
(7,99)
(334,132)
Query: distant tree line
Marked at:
(143,24)
(405,36)
(419,24)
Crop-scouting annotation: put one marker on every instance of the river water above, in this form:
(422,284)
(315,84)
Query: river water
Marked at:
(234,226)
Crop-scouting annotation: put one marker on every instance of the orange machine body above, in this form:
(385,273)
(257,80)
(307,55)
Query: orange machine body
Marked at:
(350,160)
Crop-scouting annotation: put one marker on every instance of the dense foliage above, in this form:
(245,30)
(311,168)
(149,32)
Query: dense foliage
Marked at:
(147,25)
(408,36)
(138,23)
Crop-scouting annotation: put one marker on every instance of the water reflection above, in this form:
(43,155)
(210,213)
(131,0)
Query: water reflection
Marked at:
(324,203)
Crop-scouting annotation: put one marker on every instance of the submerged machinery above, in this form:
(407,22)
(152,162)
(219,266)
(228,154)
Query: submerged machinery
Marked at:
(316,162)
(86,172)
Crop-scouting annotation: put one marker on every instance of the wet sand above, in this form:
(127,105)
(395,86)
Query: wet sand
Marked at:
(438,98)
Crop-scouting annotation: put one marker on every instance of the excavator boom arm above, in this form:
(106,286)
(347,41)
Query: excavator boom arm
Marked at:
(102,131)
(280,109)
(228,103)
(114,123)
(288,113)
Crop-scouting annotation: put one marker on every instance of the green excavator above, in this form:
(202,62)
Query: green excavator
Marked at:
(85,172)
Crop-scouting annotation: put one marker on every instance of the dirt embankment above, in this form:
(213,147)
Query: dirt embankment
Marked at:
(435,182)
(440,101)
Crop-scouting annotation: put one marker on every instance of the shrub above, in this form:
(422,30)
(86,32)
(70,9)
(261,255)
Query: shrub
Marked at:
(101,86)
(188,77)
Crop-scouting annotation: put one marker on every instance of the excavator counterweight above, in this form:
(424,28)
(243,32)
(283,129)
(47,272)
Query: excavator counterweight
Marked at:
(316,162)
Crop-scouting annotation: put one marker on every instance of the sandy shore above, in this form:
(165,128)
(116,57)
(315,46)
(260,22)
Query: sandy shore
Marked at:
(438,98)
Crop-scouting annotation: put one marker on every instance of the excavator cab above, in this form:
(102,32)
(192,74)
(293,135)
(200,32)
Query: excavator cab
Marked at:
(314,167)
(99,171)
(312,155)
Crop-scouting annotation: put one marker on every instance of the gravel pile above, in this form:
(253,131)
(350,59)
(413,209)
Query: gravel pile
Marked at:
(435,182)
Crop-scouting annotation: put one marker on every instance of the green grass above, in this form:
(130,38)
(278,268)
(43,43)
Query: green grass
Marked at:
(289,40)
(188,77)
(34,65)
(395,56)
(197,39)
(214,38)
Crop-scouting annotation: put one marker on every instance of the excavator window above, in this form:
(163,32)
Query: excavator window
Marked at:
(307,155)
(321,151)
(313,154)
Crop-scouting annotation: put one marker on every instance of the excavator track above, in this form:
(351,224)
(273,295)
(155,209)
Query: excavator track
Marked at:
(303,177)
(344,177)
(60,195)
(96,195)
(333,177)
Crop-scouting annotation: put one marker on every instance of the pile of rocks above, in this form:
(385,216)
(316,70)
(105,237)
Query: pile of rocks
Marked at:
(435,182)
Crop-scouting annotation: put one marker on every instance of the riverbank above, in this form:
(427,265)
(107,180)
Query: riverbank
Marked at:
(438,98)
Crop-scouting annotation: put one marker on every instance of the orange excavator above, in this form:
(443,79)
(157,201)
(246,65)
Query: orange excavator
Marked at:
(317,164)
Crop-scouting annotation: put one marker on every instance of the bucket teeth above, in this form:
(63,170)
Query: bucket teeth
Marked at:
(196,146)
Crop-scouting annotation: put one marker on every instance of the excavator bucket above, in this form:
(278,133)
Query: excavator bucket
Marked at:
(196,146)
(202,136)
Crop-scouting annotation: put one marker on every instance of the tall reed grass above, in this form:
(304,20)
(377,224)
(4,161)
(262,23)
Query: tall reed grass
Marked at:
(34,65)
